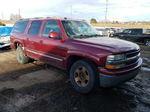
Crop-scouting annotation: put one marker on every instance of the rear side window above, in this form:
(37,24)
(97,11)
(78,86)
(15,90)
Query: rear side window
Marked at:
(137,31)
(19,27)
(35,28)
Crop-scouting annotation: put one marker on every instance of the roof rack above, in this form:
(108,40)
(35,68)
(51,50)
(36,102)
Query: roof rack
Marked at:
(54,17)
(34,18)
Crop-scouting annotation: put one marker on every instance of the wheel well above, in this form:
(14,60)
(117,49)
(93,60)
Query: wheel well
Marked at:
(74,58)
(16,44)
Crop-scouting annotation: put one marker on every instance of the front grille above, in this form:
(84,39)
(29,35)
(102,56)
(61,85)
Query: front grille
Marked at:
(132,54)
(132,58)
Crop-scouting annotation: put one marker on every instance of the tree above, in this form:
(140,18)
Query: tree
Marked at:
(93,20)
(2,24)
(15,17)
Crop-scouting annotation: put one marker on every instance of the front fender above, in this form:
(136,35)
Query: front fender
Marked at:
(86,55)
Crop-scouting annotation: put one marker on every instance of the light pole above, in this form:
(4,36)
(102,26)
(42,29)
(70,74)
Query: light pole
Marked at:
(106,11)
(71,11)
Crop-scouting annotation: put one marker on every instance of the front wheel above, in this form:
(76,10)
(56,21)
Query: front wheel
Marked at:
(21,57)
(83,76)
(147,42)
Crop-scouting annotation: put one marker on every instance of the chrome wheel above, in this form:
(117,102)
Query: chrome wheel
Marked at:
(21,57)
(81,76)
(20,54)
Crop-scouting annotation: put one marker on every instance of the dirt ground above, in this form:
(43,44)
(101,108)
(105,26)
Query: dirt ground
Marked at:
(37,87)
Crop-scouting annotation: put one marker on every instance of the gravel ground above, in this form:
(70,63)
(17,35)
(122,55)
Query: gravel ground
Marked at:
(56,95)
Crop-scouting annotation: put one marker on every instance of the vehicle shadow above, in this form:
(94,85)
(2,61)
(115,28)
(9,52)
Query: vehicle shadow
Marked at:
(5,49)
(16,73)
(58,96)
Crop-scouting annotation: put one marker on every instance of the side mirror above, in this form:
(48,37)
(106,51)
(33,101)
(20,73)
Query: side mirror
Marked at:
(54,35)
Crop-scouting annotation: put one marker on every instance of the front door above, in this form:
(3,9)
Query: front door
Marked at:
(54,50)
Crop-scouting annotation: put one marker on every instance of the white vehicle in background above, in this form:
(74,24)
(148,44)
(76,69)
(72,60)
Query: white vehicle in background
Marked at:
(101,30)
(106,31)
(5,36)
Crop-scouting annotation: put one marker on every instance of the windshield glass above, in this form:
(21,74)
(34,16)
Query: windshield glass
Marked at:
(78,29)
(126,31)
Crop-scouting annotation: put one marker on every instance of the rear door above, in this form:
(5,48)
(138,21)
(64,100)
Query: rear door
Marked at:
(33,39)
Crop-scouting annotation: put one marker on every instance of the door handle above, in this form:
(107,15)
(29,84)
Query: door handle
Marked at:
(41,41)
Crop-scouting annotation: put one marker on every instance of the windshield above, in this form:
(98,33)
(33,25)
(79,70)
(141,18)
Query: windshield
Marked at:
(78,29)
(126,31)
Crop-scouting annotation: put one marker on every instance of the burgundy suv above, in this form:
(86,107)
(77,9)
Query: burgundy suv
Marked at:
(73,45)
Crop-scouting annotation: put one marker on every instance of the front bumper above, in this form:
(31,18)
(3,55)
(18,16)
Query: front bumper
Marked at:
(110,79)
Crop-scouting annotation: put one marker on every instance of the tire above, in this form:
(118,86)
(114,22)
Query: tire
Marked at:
(83,76)
(21,57)
(147,42)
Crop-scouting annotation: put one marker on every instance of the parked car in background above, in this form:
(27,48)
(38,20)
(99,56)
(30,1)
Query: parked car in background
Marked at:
(107,31)
(111,31)
(135,35)
(100,30)
(5,36)
(75,46)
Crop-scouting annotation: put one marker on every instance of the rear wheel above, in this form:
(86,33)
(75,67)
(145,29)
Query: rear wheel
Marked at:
(147,42)
(21,57)
(83,76)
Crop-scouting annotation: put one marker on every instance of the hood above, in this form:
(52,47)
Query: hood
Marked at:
(109,44)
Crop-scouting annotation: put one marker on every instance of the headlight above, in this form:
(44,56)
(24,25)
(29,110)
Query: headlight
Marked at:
(115,61)
(115,57)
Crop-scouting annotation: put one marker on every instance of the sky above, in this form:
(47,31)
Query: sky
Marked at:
(118,10)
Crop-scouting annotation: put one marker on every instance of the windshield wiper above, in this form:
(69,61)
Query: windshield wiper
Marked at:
(80,36)
(95,35)
(85,36)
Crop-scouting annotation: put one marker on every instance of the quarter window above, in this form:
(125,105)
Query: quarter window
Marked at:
(51,26)
(19,27)
(35,28)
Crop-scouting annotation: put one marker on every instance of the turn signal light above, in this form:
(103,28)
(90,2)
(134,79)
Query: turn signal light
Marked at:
(111,66)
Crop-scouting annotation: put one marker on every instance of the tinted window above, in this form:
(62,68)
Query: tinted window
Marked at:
(51,26)
(35,28)
(20,27)
(127,31)
(136,31)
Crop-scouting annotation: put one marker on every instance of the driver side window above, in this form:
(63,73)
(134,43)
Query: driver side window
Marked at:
(51,26)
